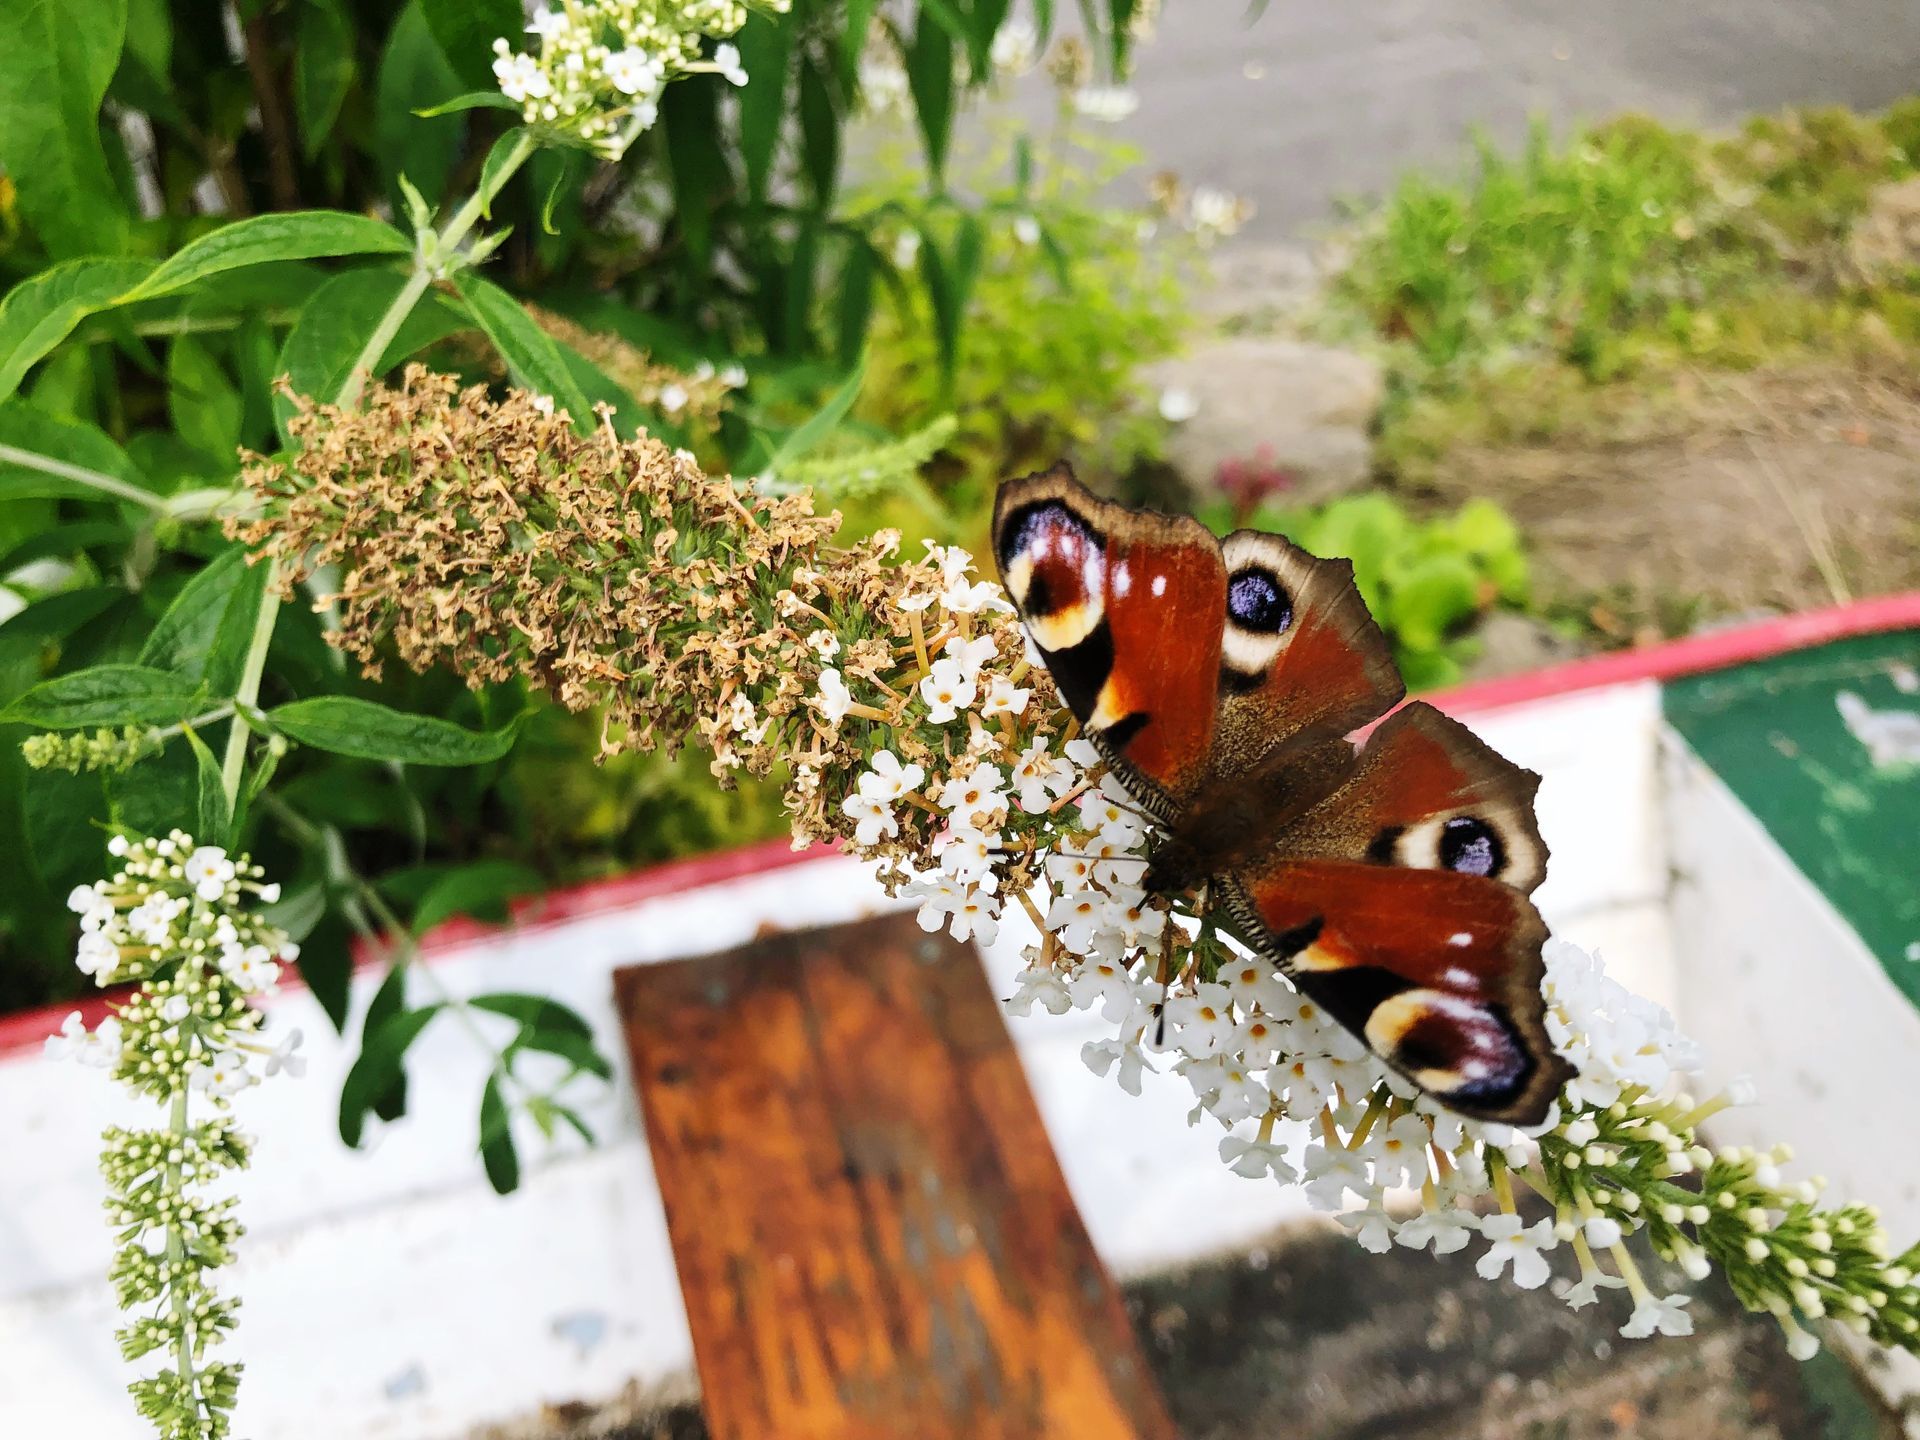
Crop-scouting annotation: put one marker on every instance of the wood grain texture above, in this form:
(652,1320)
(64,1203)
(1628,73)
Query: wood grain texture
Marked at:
(872,1234)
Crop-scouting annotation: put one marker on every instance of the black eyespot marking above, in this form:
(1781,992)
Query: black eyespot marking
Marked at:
(1471,847)
(1033,527)
(1384,848)
(1257,601)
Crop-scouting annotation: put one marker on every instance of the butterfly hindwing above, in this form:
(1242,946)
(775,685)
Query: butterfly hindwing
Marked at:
(1126,608)
(1428,793)
(1301,652)
(1438,971)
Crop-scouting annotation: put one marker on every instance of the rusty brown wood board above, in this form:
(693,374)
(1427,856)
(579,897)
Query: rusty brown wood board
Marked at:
(873,1236)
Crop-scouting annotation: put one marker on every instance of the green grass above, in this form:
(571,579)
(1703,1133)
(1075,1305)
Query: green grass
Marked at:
(1627,250)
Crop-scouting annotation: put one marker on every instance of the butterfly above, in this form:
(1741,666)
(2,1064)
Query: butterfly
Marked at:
(1220,681)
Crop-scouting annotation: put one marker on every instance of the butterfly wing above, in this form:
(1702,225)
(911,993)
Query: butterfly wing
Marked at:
(1301,655)
(1398,903)
(1125,606)
(1188,662)
(1437,970)
(1428,793)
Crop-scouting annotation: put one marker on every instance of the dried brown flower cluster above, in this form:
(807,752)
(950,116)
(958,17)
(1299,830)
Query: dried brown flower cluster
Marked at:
(490,537)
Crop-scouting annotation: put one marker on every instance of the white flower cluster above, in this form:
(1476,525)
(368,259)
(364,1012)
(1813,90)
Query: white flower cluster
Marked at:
(602,64)
(175,919)
(1258,1054)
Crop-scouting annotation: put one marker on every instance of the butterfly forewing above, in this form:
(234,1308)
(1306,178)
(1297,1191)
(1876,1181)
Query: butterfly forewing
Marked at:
(1124,606)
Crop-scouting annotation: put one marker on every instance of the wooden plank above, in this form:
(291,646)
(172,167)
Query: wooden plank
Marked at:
(872,1234)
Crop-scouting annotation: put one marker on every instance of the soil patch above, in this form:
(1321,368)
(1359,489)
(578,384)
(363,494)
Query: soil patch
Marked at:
(1780,489)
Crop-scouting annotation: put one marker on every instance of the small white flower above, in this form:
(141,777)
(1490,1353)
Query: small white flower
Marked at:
(1602,1232)
(1442,1231)
(970,655)
(1205,1018)
(672,398)
(834,699)
(947,692)
(823,643)
(906,249)
(250,967)
(1371,1226)
(1106,983)
(1399,1151)
(1178,404)
(547,24)
(69,1043)
(1042,987)
(1015,47)
(733,376)
(117,846)
(1333,1171)
(209,871)
(1257,1159)
(1109,103)
(521,78)
(270,894)
(726,59)
(1099,1057)
(977,917)
(224,1074)
(1587,1290)
(544,404)
(97,955)
(1026,230)
(1004,698)
(1659,1315)
(632,72)
(968,853)
(975,794)
(887,779)
(1075,916)
(872,819)
(1522,1246)
(283,1057)
(1252,981)
(1039,777)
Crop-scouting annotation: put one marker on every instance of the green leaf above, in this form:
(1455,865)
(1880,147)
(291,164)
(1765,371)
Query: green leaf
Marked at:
(534,1012)
(529,351)
(466,30)
(300,235)
(346,725)
(690,114)
(496,161)
(25,426)
(819,133)
(577,1050)
(57,58)
(766,44)
(414,73)
(930,80)
(853,308)
(1437,594)
(473,100)
(380,1066)
(496,1140)
(480,889)
(41,311)
(205,633)
(323,71)
(104,695)
(853,39)
(824,421)
(215,817)
(203,403)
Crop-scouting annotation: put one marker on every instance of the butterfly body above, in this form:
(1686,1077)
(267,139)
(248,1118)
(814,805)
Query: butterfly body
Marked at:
(1220,680)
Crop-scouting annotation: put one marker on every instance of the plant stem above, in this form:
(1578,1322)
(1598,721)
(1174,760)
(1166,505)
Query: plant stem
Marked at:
(425,270)
(93,479)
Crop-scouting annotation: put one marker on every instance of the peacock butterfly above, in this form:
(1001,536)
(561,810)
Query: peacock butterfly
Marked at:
(1221,680)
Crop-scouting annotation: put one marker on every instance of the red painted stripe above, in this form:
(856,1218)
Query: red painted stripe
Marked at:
(1715,650)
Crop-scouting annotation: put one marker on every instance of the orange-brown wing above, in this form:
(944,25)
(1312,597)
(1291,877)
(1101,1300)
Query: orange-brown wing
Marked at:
(1126,606)
(1300,652)
(1438,971)
(1428,793)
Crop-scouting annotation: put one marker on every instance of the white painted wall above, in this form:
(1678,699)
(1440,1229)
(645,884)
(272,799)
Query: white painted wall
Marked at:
(390,1295)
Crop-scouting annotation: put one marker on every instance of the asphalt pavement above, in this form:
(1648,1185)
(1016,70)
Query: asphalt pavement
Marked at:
(1319,100)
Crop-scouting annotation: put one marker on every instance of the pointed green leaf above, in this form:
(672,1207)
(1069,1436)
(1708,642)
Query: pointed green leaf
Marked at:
(57,58)
(300,235)
(41,311)
(105,695)
(529,351)
(496,1140)
(345,725)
